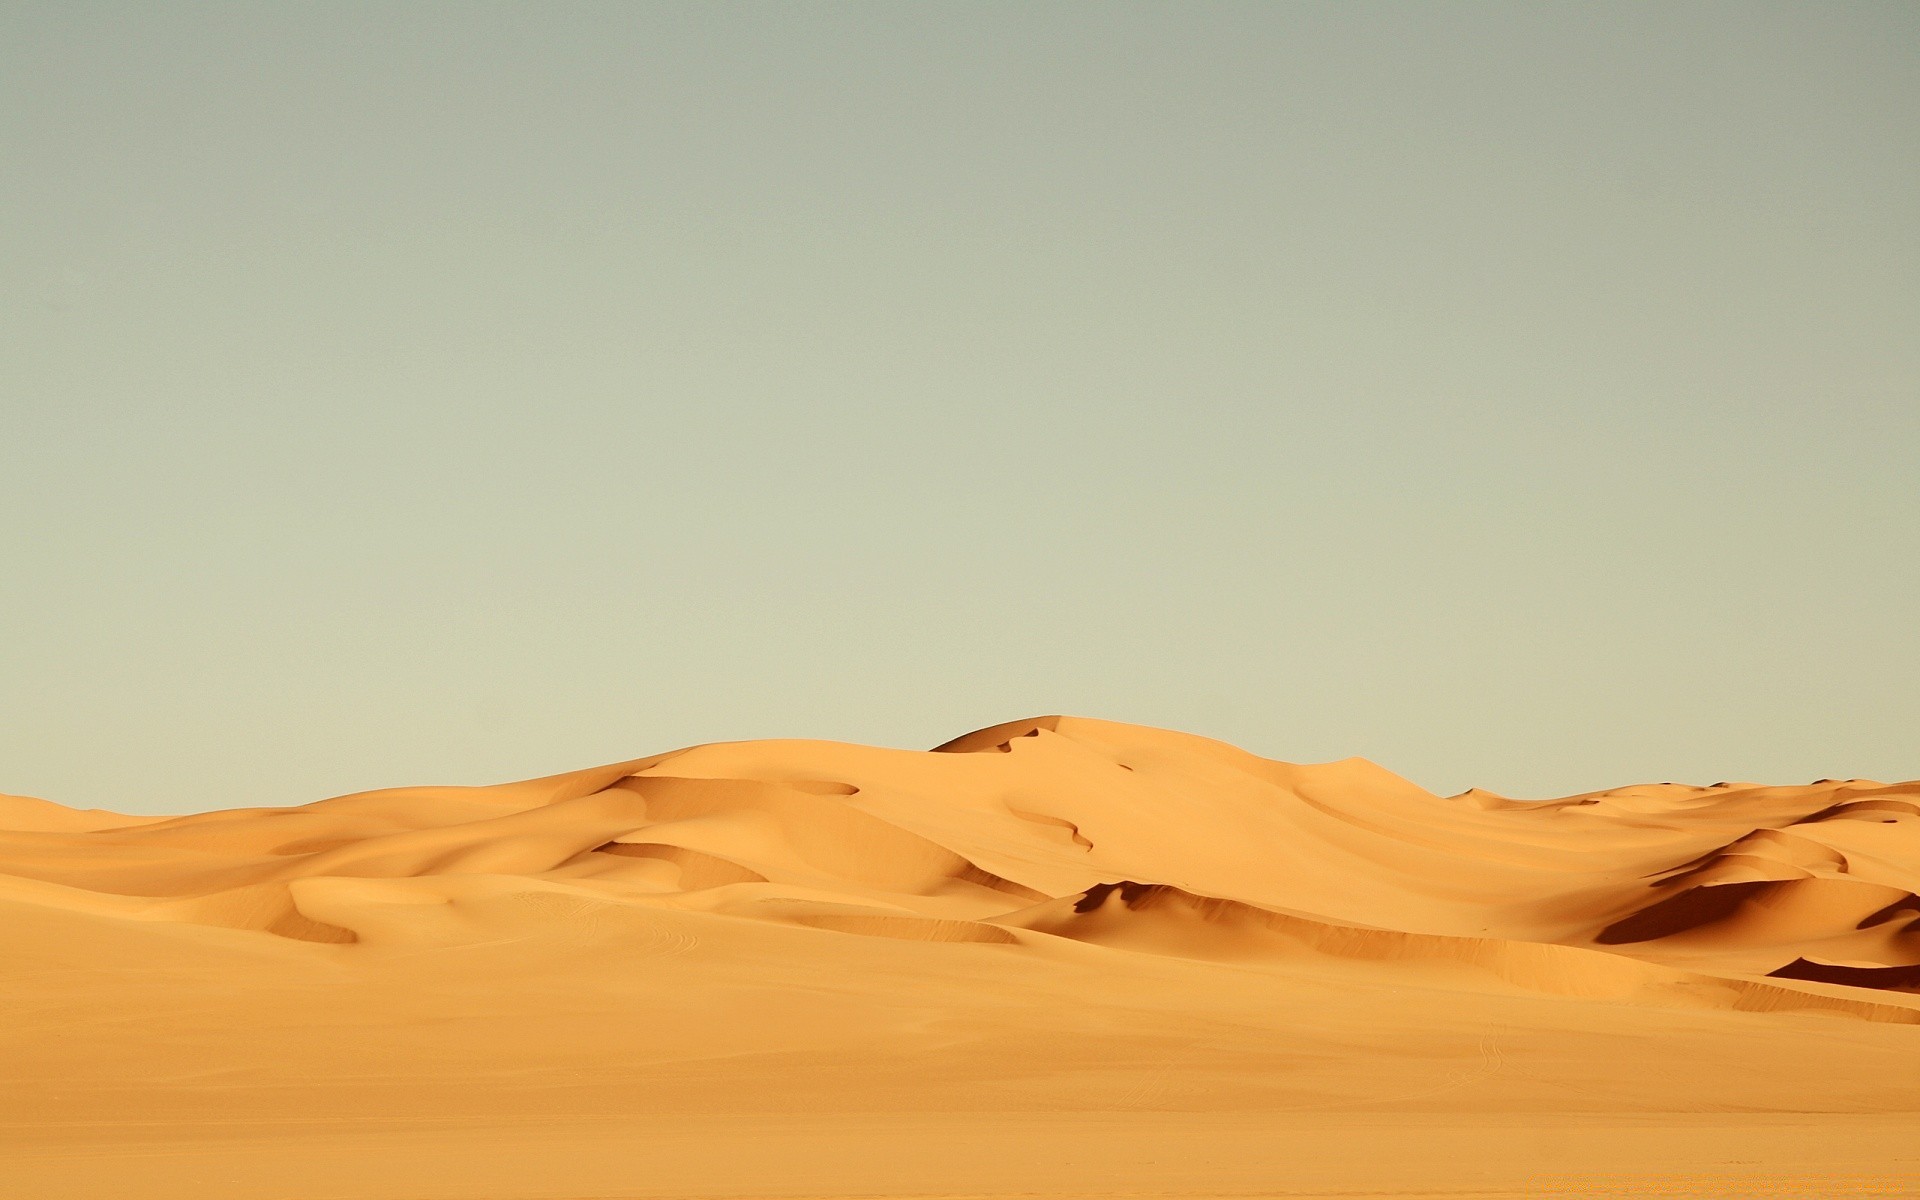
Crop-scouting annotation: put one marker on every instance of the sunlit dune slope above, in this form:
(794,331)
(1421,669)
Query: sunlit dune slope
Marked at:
(1051,913)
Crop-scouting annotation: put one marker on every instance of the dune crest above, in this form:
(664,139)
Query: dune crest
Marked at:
(1051,915)
(1206,849)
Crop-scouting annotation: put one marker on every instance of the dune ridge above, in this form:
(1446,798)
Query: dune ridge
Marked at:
(1050,915)
(1741,879)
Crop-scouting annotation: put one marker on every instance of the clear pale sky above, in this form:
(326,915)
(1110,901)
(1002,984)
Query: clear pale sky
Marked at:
(1523,396)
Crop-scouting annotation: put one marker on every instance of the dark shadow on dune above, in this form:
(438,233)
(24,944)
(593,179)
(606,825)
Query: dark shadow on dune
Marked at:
(1688,910)
(1886,979)
(997,737)
(1910,904)
(1131,894)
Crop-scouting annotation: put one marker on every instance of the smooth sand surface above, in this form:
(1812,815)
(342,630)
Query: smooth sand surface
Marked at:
(1056,958)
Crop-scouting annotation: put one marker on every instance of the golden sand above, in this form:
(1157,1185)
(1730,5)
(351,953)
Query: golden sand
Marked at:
(1056,958)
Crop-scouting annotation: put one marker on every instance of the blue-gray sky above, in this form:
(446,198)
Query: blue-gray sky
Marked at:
(1523,396)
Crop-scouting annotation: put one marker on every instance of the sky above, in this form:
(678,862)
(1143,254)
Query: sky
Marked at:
(1520,396)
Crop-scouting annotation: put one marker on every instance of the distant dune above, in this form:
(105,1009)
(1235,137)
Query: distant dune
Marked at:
(1053,916)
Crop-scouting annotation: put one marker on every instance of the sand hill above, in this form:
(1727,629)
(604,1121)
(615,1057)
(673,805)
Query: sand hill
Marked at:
(1057,957)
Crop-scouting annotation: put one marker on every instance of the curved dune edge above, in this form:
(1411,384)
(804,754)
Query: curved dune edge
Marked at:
(32,814)
(1156,918)
(1137,841)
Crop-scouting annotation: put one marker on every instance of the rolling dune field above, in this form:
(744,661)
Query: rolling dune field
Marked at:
(1055,958)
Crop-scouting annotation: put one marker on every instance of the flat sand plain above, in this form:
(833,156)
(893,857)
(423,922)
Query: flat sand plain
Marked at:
(1056,958)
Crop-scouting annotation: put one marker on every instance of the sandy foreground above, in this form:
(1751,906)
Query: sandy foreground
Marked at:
(1056,958)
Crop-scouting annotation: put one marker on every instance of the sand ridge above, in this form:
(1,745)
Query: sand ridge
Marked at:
(1744,879)
(1053,915)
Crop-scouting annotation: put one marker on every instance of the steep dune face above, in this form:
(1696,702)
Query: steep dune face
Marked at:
(1027,908)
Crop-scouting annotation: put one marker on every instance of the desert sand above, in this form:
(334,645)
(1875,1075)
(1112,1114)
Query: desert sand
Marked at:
(1055,958)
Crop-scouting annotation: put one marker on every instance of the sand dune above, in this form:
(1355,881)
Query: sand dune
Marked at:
(1051,916)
